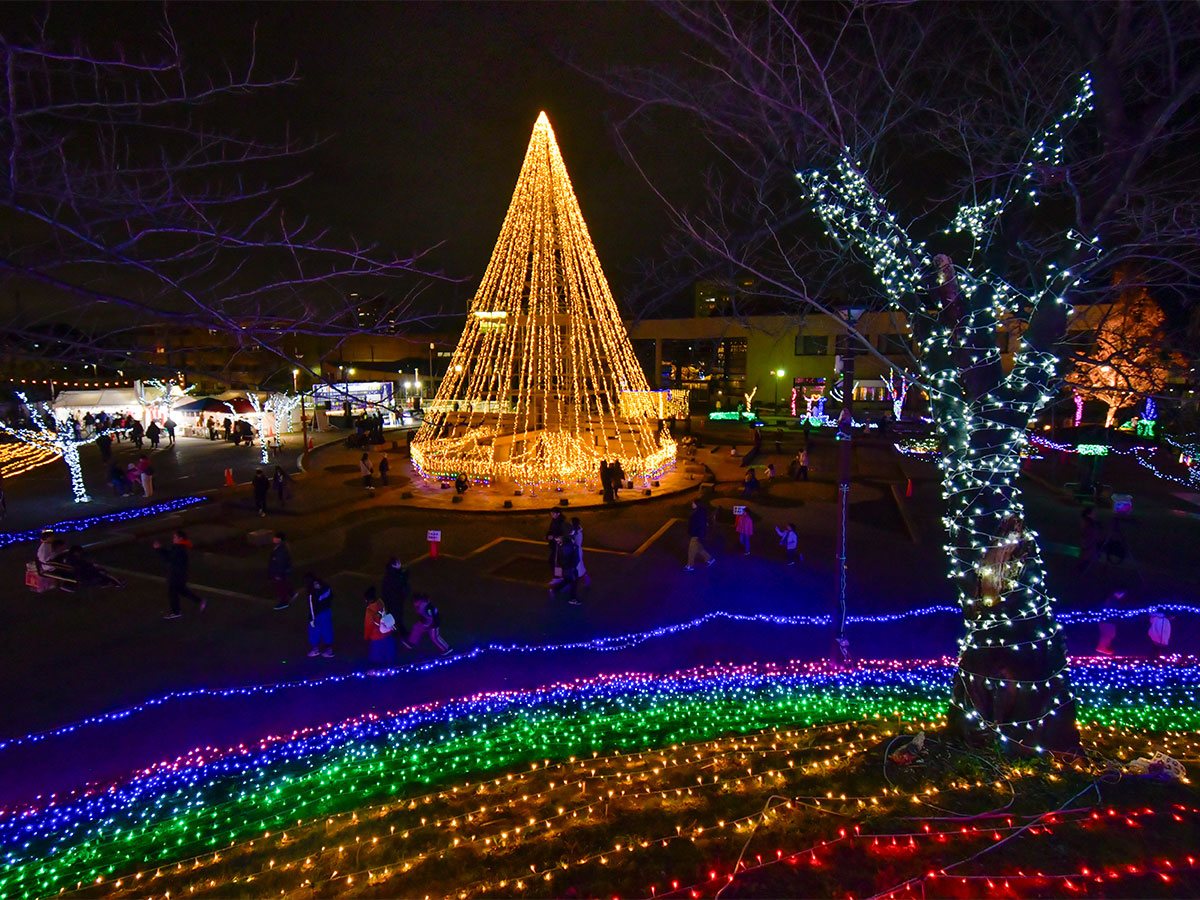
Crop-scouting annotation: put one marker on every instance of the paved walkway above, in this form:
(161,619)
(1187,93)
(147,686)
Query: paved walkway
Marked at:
(67,657)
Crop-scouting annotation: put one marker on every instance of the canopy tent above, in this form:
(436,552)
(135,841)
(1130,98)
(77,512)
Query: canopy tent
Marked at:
(203,406)
(240,406)
(110,400)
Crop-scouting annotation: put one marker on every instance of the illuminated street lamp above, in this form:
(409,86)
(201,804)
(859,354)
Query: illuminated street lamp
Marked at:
(778,373)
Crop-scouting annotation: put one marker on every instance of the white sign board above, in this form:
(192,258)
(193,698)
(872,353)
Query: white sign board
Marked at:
(433,536)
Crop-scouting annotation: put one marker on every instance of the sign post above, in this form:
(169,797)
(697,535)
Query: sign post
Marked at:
(434,538)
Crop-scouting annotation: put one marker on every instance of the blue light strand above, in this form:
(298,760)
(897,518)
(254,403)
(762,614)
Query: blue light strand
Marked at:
(9,538)
(358,751)
(605,644)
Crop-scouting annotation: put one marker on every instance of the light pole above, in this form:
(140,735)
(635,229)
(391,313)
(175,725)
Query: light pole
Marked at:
(303,418)
(431,365)
(778,373)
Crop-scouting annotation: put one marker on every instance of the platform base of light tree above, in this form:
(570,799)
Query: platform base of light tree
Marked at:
(504,496)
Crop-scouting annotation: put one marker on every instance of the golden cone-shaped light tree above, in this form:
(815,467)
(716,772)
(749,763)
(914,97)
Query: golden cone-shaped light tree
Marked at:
(544,383)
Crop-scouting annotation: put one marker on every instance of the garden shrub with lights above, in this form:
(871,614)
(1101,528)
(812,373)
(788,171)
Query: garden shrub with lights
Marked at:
(765,781)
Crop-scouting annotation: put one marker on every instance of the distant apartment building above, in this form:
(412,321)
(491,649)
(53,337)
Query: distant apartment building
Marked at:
(729,349)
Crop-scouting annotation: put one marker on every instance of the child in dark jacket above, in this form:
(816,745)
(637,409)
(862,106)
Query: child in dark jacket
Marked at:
(429,622)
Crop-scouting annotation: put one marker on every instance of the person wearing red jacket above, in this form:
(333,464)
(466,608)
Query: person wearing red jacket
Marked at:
(379,634)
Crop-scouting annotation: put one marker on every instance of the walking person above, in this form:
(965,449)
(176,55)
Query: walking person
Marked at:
(384,465)
(169,426)
(429,622)
(364,466)
(379,628)
(320,616)
(104,442)
(568,560)
(394,588)
(577,534)
(744,526)
(697,528)
(261,486)
(145,473)
(135,433)
(802,463)
(281,481)
(176,557)
(789,540)
(152,435)
(617,476)
(279,570)
(212,429)
(227,426)
(554,535)
(606,481)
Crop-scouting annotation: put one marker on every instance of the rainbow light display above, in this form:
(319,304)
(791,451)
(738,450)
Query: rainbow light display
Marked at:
(365,801)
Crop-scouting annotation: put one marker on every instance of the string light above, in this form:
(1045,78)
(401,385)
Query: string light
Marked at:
(544,384)
(607,644)
(8,538)
(17,459)
(282,406)
(168,394)
(54,434)
(994,559)
(521,774)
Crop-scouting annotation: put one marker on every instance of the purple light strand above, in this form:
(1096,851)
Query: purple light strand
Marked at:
(606,644)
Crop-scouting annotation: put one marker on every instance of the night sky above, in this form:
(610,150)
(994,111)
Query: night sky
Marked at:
(428,109)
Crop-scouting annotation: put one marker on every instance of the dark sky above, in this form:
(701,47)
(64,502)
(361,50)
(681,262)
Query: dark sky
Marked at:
(428,109)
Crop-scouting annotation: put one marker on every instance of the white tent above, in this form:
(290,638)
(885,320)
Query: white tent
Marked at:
(110,400)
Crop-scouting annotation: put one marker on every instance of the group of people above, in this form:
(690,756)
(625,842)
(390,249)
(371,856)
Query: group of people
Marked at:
(383,621)
(69,566)
(567,571)
(368,471)
(136,477)
(743,526)
(383,624)
(261,486)
(612,479)
(237,432)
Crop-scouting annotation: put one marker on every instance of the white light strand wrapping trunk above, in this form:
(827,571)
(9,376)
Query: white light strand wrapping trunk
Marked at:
(544,383)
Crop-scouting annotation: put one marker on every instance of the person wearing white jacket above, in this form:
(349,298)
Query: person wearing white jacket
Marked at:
(788,539)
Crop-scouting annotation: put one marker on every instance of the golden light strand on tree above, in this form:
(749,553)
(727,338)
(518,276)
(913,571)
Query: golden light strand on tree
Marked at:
(544,383)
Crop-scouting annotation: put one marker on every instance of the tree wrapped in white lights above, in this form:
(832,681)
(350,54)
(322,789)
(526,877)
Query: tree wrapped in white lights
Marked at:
(544,383)
(282,406)
(53,433)
(897,384)
(169,394)
(938,104)
(260,423)
(1012,679)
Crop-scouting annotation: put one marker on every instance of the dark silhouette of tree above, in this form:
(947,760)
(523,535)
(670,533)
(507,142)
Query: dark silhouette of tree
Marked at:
(128,201)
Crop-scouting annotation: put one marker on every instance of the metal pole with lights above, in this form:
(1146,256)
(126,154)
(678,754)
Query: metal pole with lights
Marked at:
(778,373)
